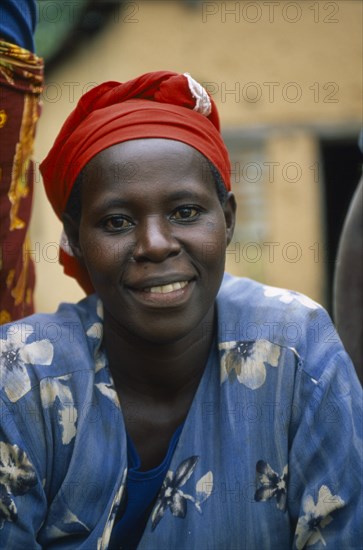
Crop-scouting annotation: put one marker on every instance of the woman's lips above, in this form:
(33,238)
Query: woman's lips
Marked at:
(168,294)
(167,288)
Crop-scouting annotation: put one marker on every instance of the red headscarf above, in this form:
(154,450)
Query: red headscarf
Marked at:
(161,104)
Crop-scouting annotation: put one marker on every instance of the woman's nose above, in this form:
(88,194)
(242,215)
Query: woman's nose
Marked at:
(155,241)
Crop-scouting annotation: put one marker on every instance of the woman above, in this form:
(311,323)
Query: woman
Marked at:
(174,406)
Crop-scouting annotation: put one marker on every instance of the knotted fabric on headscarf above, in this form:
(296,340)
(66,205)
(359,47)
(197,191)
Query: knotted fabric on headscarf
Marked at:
(161,104)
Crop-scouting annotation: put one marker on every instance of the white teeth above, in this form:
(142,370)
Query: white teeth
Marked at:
(165,289)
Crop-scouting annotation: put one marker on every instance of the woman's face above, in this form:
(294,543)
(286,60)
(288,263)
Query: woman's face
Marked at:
(153,237)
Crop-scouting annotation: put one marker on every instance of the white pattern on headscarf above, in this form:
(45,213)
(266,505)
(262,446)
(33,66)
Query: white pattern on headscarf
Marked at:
(202,102)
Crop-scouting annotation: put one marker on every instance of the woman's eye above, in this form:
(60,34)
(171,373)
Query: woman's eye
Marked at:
(186,213)
(116,223)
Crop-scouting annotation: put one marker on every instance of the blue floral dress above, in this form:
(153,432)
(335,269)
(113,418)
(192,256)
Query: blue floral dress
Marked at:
(269,457)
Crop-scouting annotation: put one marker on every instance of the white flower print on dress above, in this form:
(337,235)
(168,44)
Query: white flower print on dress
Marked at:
(246,361)
(15,354)
(71,518)
(109,391)
(273,485)
(95,332)
(55,391)
(102,542)
(68,523)
(99,309)
(17,477)
(172,497)
(288,296)
(316,517)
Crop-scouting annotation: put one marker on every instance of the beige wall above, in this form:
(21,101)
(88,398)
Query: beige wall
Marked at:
(265,72)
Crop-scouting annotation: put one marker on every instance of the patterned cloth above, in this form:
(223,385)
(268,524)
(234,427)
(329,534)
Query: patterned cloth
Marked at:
(269,456)
(21,81)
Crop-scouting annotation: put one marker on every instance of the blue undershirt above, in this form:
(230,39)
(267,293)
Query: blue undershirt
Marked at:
(142,488)
(18,19)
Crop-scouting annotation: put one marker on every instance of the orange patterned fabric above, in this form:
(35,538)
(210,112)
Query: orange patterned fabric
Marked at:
(21,82)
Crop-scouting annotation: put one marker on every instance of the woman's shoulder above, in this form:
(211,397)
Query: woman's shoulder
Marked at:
(256,299)
(47,345)
(252,311)
(76,318)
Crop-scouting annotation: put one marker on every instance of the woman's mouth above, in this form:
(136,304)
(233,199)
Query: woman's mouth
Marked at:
(166,289)
(169,294)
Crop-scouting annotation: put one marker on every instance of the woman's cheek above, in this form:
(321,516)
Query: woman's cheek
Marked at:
(213,242)
(93,251)
(106,254)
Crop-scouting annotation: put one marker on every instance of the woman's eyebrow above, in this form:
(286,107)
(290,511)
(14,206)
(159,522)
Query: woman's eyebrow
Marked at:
(118,202)
(183,194)
(107,204)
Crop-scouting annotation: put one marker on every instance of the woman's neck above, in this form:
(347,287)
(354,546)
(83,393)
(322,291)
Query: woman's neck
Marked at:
(159,371)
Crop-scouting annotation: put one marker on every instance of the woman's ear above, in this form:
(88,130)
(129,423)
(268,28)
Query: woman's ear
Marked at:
(71,229)
(229,210)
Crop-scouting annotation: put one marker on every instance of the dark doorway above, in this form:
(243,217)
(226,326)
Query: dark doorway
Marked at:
(342,168)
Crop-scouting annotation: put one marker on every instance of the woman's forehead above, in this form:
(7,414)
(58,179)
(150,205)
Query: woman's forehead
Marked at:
(131,159)
(150,147)
(147,170)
